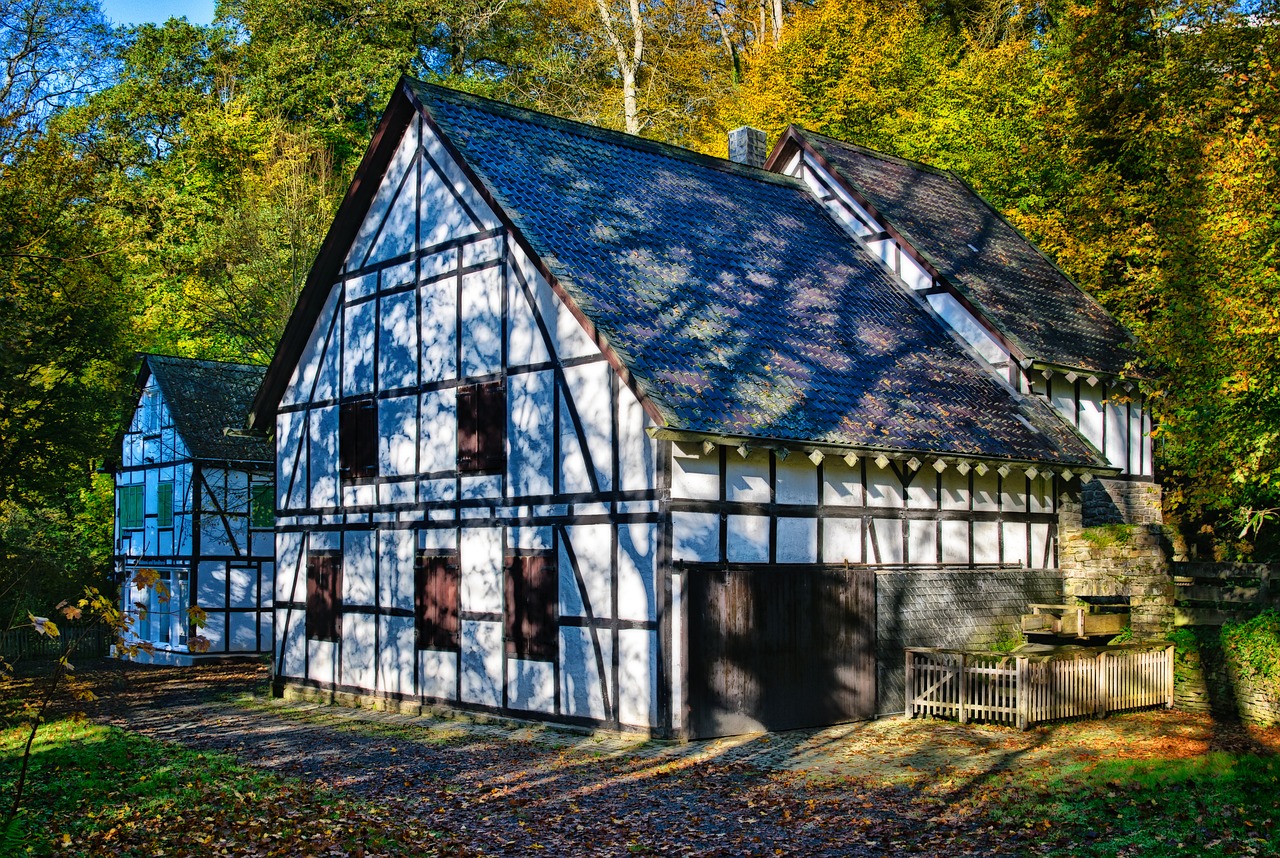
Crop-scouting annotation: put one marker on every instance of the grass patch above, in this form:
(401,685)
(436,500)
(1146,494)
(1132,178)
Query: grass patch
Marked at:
(1107,535)
(102,791)
(1216,804)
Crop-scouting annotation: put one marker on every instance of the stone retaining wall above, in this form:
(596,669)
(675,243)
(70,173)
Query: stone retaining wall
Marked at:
(1205,680)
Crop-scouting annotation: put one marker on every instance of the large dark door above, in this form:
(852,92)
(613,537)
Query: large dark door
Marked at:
(776,647)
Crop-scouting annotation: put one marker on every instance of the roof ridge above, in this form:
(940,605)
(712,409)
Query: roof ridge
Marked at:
(227,363)
(942,172)
(608,135)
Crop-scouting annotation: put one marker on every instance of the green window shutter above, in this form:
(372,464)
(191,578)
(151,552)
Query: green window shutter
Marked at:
(262,505)
(131,500)
(164,505)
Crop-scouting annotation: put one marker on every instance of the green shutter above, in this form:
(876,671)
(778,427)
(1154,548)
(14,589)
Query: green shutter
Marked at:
(164,505)
(262,505)
(131,501)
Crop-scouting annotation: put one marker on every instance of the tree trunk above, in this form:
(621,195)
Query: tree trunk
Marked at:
(627,65)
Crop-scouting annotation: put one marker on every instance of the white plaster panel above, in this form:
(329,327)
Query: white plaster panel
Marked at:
(357,567)
(398,341)
(322,658)
(325,540)
(442,214)
(955,489)
(747,480)
(1015,542)
(357,348)
(637,563)
(288,587)
(1117,427)
(841,484)
(986,491)
(922,541)
(589,388)
(291,466)
(359,287)
(530,537)
(211,584)
(214,631)
(243,587)
(922,493)
(1062,396)
(395,572)
(530,422)
(884,489)
(322,447)
(359,495)
(482,663)
(748,539)
(1091,419)
(592,545)
(1041,556)
(438,674)
(531,686)
(382,205)
(986,542)
(637,679)
(396,643)
(574,475)
(316,368)
(797,481)
(482,322)
(439,329)
(695,536)
(398,232)
(694,475)
(1013,495)
(842,540)
(1133,435)
(797,540)
(571,340)
(963,323)
(243,636)
(525,343)
(438,539)
(435,264)
(438,447)
(480,558)
(570,594)
(443,489)
(482,251)
(955,542)
(887,533)
(291,642)
(397,436)
(582,689)
(358,653)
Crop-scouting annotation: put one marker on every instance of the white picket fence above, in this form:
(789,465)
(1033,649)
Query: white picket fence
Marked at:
(1021,690)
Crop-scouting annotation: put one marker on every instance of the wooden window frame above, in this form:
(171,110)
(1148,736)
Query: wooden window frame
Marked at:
(482,428)
(437,584)
(164,518)
(324,596)
(358,439)
(262,495)
(531,615)
(133,499)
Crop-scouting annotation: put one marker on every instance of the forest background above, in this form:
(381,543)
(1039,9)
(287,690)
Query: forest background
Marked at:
(164,188)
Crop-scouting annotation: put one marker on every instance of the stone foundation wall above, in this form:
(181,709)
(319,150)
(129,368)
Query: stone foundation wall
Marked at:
(1121,502)
(1205,680)
(1118,559)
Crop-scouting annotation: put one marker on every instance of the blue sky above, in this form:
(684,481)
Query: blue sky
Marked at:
(158,11)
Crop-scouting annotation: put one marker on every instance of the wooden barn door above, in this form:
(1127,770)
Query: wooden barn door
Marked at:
(775,648)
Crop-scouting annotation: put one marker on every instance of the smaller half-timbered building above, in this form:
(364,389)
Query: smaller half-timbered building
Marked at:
(579,426)
(195,504)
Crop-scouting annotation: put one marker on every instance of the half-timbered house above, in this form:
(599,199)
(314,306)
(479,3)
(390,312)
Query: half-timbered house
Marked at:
(579,426)
(195,504)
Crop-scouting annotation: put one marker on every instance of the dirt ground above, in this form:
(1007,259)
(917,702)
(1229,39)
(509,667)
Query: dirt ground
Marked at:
(885,787)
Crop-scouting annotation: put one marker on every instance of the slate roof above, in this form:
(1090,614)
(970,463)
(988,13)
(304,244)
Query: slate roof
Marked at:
(1029,300)
(207,396)
(739,307)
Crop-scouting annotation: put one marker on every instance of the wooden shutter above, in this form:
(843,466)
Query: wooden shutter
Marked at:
(131,507)
(358,438)
(492,420)
(324,596)
(435,587)
(468,430)
(532,607)
(164,504)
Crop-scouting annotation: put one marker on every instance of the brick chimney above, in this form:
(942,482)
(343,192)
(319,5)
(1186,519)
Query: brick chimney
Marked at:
(747,145)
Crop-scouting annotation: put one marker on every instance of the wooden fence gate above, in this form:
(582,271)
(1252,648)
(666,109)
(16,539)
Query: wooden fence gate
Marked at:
(775,648)
(1021,690)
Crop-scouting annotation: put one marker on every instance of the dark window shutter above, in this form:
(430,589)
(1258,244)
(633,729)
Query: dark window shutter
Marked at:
(468,429)
(324,596)
(358,438)
(492,408)
(435,588)
(532,607)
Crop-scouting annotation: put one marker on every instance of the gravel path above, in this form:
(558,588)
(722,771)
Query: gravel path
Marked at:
(886,787)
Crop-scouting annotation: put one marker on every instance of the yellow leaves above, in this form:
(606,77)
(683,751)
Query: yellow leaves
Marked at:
(43,625)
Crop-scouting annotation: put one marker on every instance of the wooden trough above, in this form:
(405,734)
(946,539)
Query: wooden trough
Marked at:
(1020,689)
(1072,621)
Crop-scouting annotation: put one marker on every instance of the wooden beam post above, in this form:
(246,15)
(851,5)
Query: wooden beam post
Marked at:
(911,686)
(1023,693)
